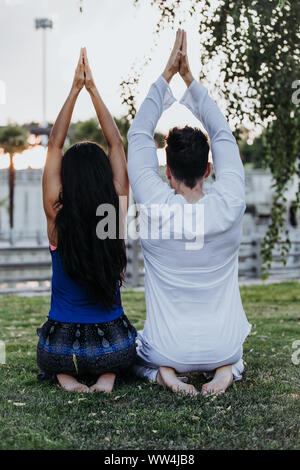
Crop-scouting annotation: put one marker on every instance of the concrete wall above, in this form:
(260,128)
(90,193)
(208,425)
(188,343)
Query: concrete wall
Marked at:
(26,265)
(29,216)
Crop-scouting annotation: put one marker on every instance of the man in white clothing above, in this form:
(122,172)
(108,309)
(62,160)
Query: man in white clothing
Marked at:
(195,318)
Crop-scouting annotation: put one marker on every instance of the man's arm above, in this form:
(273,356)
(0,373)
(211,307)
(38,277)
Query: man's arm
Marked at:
(144,178)
(143,166)
(225,152)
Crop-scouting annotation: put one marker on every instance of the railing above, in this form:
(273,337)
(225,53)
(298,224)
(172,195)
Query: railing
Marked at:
(250,261)
(29,267)
(14,237)
(25,268)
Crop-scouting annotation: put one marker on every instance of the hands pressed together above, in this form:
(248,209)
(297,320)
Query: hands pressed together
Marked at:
(83,75)
(178,60)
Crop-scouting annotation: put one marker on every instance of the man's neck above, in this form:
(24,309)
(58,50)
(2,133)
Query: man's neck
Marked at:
(190,195)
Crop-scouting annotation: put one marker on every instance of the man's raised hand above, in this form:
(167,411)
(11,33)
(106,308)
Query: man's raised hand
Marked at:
(173,64)
(184,67)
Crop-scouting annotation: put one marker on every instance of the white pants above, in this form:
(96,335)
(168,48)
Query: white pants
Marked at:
(149,361)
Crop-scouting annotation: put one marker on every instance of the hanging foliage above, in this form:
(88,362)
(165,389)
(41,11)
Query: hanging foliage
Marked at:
(257,46)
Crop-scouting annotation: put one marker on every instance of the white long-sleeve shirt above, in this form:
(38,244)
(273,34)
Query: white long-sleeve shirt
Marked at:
(194,310)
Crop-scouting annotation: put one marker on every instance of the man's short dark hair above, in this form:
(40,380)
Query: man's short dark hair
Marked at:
(187,154)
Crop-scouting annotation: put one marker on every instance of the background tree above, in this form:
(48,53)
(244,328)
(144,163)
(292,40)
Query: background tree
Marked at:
(13,139)
(86,130)
(159,140)
(257,47)
(252,153)
(90,130)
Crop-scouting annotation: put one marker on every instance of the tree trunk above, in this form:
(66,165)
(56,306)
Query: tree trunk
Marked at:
(11,183)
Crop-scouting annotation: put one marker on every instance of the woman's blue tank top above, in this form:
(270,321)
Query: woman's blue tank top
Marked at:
(69,300)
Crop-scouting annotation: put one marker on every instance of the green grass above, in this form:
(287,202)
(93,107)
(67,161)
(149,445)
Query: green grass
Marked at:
(260,412)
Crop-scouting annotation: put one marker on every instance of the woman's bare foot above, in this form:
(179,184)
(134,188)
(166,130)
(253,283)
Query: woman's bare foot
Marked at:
(70,384)
(222,380)
(105,383)
(167,377)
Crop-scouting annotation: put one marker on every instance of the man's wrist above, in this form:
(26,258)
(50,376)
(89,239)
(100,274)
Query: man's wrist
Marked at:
(167,76)
(188,79)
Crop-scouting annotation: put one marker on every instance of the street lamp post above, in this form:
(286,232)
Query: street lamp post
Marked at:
(44,24)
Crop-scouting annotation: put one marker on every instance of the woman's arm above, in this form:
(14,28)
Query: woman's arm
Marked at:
(51,175)
(111,133)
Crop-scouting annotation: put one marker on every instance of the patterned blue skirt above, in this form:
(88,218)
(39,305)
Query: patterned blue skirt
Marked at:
(85,350)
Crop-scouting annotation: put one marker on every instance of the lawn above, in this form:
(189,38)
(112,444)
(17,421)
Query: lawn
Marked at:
(260,412)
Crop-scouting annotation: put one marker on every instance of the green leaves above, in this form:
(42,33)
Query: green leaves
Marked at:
(13,139)
(87,130)
(90,130)
(258,43)
(282,3)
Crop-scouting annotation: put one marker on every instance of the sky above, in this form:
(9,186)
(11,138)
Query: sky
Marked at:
(116,35)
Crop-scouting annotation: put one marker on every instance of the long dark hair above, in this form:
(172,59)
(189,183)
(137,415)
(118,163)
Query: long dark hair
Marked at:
(87,182)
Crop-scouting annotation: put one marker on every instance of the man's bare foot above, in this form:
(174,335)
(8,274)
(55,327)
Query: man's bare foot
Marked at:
(105,383)
(222,380)
(166,377)
(70,384)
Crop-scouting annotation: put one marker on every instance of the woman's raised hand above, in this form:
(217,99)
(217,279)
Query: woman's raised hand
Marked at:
(83,75)
(173,64)
(78,82)
(184,66)
(89,81)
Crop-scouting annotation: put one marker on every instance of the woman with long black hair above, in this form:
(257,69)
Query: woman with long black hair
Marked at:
(87,335)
